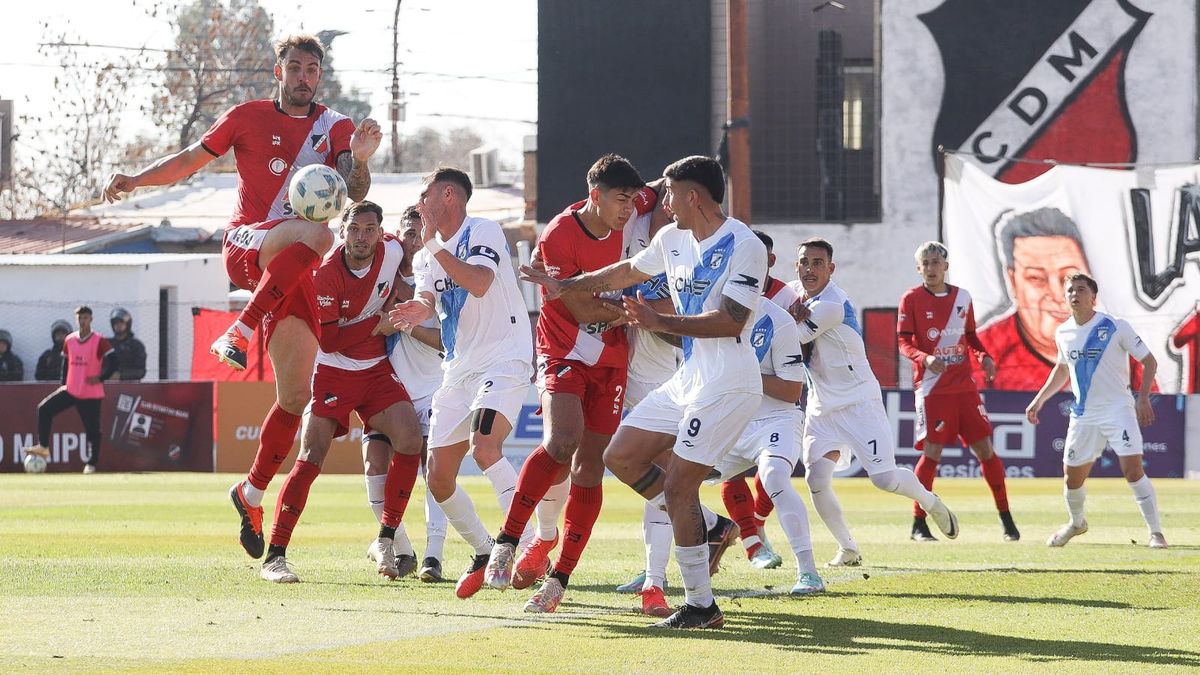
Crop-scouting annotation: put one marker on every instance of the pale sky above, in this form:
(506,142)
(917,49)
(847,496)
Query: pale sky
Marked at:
(464,58)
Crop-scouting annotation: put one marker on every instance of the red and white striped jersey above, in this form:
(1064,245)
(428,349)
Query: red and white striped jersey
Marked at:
(780,293)
(942,326)
(270,145)
(347,298)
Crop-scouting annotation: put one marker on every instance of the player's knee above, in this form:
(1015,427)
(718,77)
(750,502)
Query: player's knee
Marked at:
(484,451)
(679,487)
(294,401)
(440,486)
(319,239)
(1134,472)
(887,481)
(587,471)
(817,480)
(561,446)
(616,461)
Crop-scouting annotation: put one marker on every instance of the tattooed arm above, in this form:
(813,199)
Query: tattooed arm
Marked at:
(726,321)
(616,276)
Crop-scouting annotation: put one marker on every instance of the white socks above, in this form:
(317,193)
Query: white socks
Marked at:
(375,489)
(400,543)
(1075,499)
(253,495)
(460,511)
(1143,494)
(657,533)
(549,509)
(904,482)
(504,481)
(793,517)
(435,527)
(697,584)
(820,486)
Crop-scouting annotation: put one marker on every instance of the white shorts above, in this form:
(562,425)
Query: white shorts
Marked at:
(777,436)
(862,427)
(1087,439)
(704,430)
(424,407)
(638,390)
(501,388)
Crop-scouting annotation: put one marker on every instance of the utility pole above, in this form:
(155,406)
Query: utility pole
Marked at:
(738,79)
(395,112)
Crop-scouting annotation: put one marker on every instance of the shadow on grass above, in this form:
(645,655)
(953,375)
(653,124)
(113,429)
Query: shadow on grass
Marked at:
(848,637)
(1014,599)
(1025,570)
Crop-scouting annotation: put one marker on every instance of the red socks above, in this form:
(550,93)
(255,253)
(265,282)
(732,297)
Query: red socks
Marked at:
(274,443)
(285,271)
(763,506)
(993,474)
(739,503)
(538,473)
(291,502)
(397,490)
(582,510)
(926,471)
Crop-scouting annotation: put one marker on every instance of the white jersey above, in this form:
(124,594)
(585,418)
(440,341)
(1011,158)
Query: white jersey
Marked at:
(478,332)
(1098,355)
(418,365)
(839,374)
(730,263)
(776,341)
(651,359)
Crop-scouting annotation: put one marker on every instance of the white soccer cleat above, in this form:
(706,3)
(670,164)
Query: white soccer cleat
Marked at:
(809,583)
(1065,534)
(846,557)
(276,570)
(547,598)
(1157,540)
(945,520)
(764,558)
(89,468)
(380,551)
(498,573)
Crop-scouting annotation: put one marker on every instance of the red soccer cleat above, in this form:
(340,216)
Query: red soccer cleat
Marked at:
(472,578)
(534,562)
(654,603)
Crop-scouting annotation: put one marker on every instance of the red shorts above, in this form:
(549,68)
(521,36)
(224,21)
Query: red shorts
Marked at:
(240,247)
(601,390)
(337,392)
(947,419)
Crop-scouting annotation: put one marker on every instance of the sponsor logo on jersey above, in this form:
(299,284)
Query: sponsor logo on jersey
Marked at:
(275,140)
(324,300)
(444,285)
(744,280)
(694,286)
(932,334)
(277,166)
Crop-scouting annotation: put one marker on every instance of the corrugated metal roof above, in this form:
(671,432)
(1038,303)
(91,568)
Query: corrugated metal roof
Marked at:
(53,236)
(103,259)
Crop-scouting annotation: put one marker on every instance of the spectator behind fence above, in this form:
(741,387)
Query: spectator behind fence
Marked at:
(131,353)
(11,368)
(50,363)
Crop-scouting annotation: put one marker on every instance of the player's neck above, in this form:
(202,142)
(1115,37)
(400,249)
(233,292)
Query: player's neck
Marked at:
(808,295)
(707,222)
(940,289)
(84,334)
(452,224)
(293,110)
(356,265)
(1084,315)
(589,215)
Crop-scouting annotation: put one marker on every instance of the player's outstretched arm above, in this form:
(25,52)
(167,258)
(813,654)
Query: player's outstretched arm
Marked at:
(728,320)
(1054,382)
(616,276)
(405,315)
(165,171)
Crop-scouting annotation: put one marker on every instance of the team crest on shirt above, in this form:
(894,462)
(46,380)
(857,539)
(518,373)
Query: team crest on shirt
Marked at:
(933,333)
(381,289)
(277,166)
(320,142)
(718,257)
(1102,334)
(962,311)
(758,338)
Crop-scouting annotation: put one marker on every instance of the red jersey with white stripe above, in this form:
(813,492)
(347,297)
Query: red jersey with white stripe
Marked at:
(567,249)
(780,293)
(942,326)
(349,298)
(270,145)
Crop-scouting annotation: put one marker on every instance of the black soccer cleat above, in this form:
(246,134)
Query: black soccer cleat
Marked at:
(920,531)
(1011,533)
(251,535)
(719,538)
(688,616)
(406,564)
(431,570)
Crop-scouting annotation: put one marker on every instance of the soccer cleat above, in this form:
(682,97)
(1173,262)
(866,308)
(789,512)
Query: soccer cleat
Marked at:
(808,584)
(1011,533)
(944,518)
(406,564)
(89,468)
(1066,533)
(688,616)
(920,531)
(251,535)
(230,349)
(846,557)
(499,571)
(472,578)
(39,450)
(654,603)
(719,538)
(547,598)
(534,562)
(1157,540)
(381,552)
(276,569)
(764,558)
(634,585)
(431,570)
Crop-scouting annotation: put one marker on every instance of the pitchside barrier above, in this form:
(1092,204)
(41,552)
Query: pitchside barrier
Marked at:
(170,427)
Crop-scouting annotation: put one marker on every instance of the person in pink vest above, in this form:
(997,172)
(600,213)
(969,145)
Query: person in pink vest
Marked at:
(88,360)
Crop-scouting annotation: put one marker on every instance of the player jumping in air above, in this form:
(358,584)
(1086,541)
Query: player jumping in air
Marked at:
(268,251)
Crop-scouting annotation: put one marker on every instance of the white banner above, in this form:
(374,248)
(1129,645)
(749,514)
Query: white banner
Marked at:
(1136,232)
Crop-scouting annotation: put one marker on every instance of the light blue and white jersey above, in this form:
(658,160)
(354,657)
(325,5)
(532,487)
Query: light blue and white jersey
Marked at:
(776,342)
(1097,354)
(478,332)
(731,263)
(651,359)
(418,365)
(839,374)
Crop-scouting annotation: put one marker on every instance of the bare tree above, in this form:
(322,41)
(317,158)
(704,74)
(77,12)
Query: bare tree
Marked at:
(427,148)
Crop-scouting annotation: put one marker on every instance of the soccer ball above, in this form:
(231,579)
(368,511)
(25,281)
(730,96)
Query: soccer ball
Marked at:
(317,193)
(35,464)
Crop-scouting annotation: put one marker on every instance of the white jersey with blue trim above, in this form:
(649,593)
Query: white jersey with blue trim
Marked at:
(839,374)
(732,263)
(776,342)
(651,359)
(478,332)
(1097,354)
(418,365)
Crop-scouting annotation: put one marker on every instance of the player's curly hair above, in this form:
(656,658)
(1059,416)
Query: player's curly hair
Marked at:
(302,41)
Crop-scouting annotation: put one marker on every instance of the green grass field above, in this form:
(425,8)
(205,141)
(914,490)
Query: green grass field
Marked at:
(143,572)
